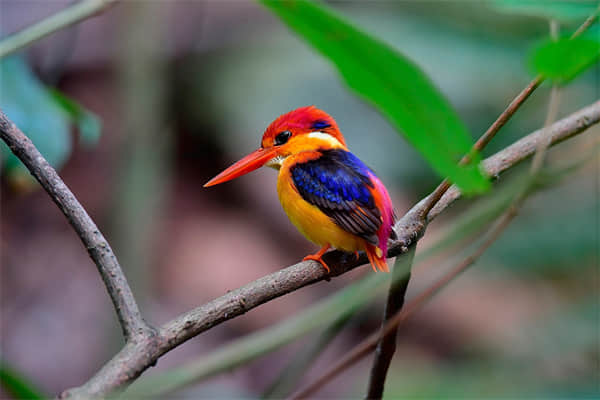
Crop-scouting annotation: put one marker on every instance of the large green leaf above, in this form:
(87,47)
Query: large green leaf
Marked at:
(392,83)
(564,59)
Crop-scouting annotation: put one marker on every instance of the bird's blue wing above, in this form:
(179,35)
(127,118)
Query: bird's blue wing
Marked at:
(338,184)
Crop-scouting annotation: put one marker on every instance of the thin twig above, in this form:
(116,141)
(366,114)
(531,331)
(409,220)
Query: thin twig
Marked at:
(62,19)
(133,326)
(587,23)
(487,137)
(133,359)
(551,114)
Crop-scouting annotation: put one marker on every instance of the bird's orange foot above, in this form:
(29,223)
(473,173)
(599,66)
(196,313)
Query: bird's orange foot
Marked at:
(356,255)
(318,256)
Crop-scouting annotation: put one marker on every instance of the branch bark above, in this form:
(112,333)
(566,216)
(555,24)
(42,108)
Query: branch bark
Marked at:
(62,19)
(386,346)
(133,326)
(136,357)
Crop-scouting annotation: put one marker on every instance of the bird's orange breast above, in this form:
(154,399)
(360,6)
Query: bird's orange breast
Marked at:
(309,219)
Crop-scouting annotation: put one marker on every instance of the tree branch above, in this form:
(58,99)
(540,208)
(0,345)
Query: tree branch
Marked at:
(135,358)
(131,321)
(62,19)
(386,346)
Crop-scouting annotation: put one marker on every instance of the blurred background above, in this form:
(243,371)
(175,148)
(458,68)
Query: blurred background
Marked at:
(182,89)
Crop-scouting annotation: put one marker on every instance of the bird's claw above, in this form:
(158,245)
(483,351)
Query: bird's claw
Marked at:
(318,256)
(318,259)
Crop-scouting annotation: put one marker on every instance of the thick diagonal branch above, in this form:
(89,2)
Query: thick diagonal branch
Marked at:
(135,358)
(98,248)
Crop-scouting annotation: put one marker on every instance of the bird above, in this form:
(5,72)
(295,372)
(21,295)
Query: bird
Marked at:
(328,193)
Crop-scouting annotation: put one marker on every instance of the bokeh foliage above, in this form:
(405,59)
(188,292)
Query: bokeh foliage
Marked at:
(43,114)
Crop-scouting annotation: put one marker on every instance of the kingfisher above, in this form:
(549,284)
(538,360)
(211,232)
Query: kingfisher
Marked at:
(331,196)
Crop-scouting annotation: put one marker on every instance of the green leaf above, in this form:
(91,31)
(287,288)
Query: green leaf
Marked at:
(88,123)
(17,385)
(393,84)
(564,59)
(43,114)
(562,10)
(25,100)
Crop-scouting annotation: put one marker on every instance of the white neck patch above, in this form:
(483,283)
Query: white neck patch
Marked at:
(326,137)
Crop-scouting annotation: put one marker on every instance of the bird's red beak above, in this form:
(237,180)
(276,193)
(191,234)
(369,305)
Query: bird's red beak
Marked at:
(252,161)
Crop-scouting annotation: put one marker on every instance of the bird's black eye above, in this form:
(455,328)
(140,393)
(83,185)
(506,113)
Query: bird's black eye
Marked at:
(282,138)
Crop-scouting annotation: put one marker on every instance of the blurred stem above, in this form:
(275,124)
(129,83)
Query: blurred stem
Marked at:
(62,19)
(143,158)
(293,372)
(387,343)
(551,113)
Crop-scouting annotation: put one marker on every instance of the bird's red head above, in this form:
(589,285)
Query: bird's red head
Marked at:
(302,129)
(301,121)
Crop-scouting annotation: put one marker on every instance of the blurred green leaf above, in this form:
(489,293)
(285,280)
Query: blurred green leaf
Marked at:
(393,83)
(562,10)
(88,123)
(17,385)
(43,115)
(564,59)
(25,100)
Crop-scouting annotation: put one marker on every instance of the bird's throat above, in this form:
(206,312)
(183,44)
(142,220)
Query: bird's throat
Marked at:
(276,162)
